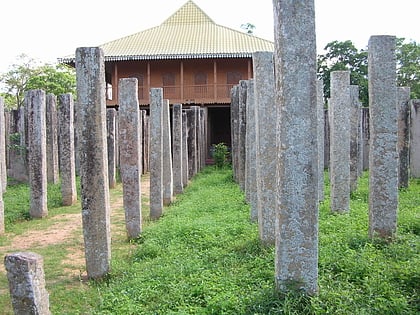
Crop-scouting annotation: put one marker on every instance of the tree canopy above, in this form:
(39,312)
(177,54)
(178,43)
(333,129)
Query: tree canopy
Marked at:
(28,74)
(345,56)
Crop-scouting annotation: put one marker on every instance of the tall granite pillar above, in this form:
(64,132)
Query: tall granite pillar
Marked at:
(267,148)
(320,136)
(251,152)
(25,273)
(184,149)
(3,171)
(177,147)
(415,139)
(130,154)
(296,258)
(156,152)
(192,142)
(145,141)
(66,144)
(403,96)
(111,115)
(242,133)
(365,137)
(168,183)
(234,123)
(339,113)
(383,155)
(354,136)
(52,139)
(90,77)
(2,228)
(37,153)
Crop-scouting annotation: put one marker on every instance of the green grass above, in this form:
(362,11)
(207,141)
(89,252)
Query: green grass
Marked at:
(204,257)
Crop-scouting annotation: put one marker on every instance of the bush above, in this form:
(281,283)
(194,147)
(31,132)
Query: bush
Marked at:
(221,153)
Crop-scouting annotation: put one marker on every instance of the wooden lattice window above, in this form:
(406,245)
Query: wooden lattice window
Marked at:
(200,83)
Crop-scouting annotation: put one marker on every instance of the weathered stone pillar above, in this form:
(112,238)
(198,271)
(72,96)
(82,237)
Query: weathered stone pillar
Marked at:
(25,273)
(66,144)
(415,139)
(383,155)
(90,75)
(296,257)
(37,153)
(354,112)
(267,148)
(111,115)
(168,182)
(234,123)
(321,136)
(403,95)
(251,152)
(242,133)
(177,147)
(2,228)
(365,137)
(156,152)
(3,171)
(339,112)
(130,154)
(192,142)
(184,149)
(52,139)
(145,141)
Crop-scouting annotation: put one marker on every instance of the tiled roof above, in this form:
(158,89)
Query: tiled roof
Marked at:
(188,33)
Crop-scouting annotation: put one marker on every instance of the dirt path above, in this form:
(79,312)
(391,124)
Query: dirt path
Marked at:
(66,229)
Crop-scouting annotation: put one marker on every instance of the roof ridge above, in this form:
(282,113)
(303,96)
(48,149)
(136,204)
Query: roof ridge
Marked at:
(189,13)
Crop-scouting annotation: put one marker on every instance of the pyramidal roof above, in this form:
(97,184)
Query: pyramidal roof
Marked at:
(188,33)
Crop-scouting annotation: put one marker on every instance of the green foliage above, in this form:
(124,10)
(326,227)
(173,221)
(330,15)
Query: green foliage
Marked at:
(408,66)
(220,155)
(26,75)
(344,56)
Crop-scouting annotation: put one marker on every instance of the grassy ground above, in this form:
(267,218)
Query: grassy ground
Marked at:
(203,257)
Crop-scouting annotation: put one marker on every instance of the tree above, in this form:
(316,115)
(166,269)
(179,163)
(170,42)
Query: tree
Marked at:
(249,28)
(16,79)
(27,74)
(344,56)
(408,66)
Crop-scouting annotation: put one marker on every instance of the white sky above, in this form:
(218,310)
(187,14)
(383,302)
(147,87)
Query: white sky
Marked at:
(49,29)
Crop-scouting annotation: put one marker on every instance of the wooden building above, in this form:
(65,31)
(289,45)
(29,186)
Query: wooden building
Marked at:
(193,59)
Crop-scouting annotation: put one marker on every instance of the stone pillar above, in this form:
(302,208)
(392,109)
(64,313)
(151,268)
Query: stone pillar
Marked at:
(415,139)
(296,256)
(234,123)
(67,163)
(365,137)
(168,183)
(192,142)
(266,145)
(321,136)
(3,172)
(339,113)
(242,133)
(111,114)
(184,149)
(145,141)
(37,153)
(251,152)
(3,175)
(354,112)
(25,273)
(177,147)
(52,139)
(156,153)
(90,75)
(403,95)
(383,155)
(130,154)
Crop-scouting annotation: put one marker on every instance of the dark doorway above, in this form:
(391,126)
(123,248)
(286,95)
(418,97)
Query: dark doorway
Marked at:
(218,126)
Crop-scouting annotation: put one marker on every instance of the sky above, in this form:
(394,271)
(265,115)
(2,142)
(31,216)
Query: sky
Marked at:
(49,29)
